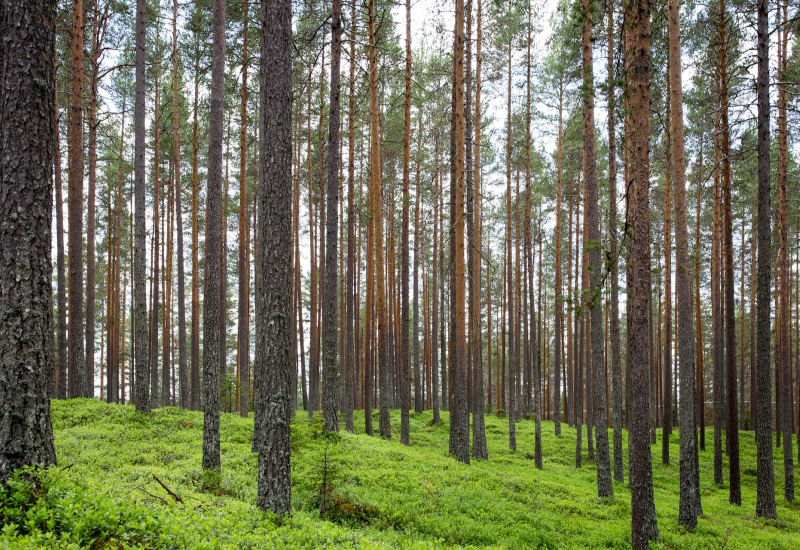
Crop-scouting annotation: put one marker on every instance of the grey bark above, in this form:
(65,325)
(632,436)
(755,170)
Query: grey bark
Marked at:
(330,307)
(273,359)
(213,352)
(27,82)
(141,349)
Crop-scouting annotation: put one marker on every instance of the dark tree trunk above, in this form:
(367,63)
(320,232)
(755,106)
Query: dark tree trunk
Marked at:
(689,507)
(330,307)
(273,359)
(213,347)
(765,482)
(644,526)
(592,245)
(616,367)
(479,447)
(732,424)
(195,343)
(141,348)
(244,232)
(27,82)
(79,385)
(404,259)
(350,341)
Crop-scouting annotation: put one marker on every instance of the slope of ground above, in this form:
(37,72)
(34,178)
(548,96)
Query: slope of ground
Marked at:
(373,493)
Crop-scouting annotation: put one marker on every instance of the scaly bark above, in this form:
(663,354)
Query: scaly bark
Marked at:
(330,306)
(141,349)
(27,82)
(644,526)
(273,359)
(213,347)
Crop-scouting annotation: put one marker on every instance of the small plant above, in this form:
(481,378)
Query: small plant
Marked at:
(500,413)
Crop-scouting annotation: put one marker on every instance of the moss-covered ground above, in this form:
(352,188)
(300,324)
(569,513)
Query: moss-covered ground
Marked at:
(353,491)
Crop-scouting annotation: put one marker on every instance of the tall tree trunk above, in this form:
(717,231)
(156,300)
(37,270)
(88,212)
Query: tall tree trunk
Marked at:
(616,367)
(273,358)
(509,302)
(783,350)
(377,217)
(350,342)
(479,447)
(765,482)
(404,270)
(732,425)
(558,301)
(592,244)
(700,405)
(459,422)
(330,382)
(195,366)
(79,384)
(99,19)
(436,283)
(689,506)
(27,80)
(63,346)
(141,349)
(244,231)
(667,363)
(637,60)
(183,374)
(213,347)
(155,241)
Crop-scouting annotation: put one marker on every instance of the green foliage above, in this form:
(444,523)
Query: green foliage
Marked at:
(349,491)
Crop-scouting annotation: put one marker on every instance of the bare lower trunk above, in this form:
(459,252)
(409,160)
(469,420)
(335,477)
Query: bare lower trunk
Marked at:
(27,80)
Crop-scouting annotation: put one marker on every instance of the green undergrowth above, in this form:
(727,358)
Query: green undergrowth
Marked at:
(352,491)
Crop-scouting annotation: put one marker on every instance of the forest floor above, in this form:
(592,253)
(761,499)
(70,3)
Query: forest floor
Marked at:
(376,494)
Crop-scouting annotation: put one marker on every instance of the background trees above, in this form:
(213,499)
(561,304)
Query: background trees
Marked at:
(540,339)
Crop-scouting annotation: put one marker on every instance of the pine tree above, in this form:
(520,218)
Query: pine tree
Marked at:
(273,359)
(27,80)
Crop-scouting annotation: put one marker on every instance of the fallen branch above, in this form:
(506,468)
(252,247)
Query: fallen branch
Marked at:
(168,490)
(206,503)
(148,493)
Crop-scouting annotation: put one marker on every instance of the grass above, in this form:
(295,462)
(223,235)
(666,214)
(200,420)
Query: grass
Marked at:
(378,494)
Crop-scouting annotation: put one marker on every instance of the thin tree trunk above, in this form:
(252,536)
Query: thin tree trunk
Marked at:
(141,350)
(63,346)
(243,340)
(765,483)
(330,382)
(592,244)
(689,506)
(783,360)
(479,446)
(350,345)
(195,365)
(616,367)
(667,363)
(79,384)
(404,269)
(732,425)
